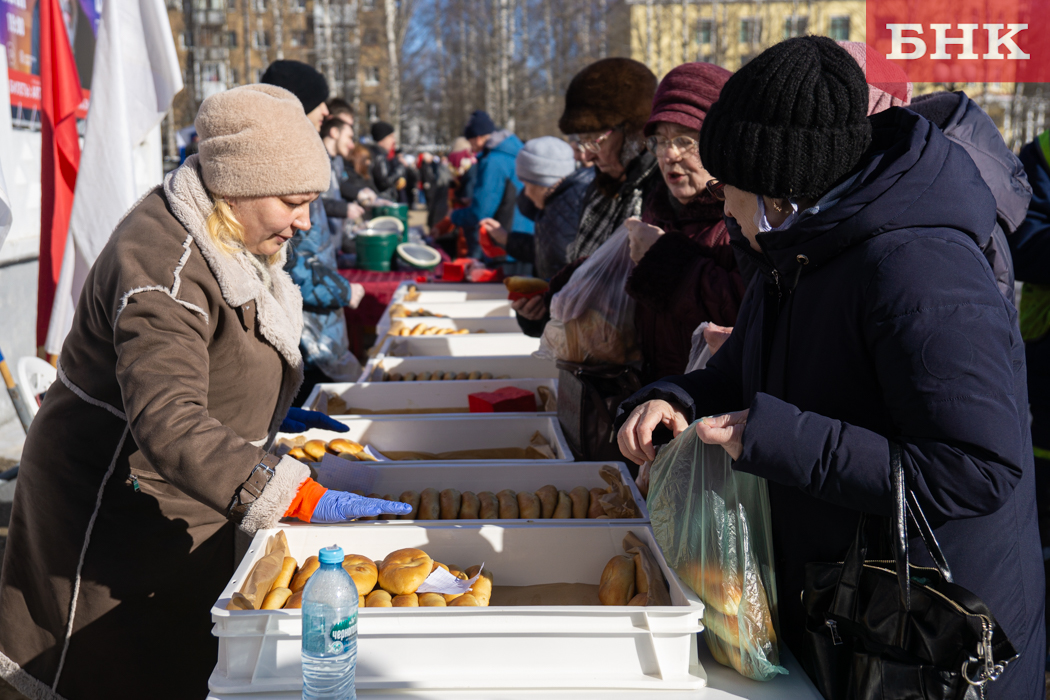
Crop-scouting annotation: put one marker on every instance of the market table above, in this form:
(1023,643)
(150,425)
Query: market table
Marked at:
(722,684)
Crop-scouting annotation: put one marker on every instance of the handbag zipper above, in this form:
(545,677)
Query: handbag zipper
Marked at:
(834,627)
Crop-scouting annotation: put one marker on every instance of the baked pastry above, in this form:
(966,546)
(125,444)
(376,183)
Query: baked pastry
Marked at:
(488,506)
(482,588)
(341,445)
(295,601)
(438,565)
(617,582)
(508,505)
(529,506)
(449,597)
(379,599)
(432,600)
(412,499)
(409,600)
(363,571)
(527,286)
(429,504)
(450,500)
(641,581)
(564,508)
(581,501)
(315,449)
(639,599)
(297,453)
(305,572)
(284,579)
(276,599)
(464,600)
(595,509)
(404,570)
(548,496)
(470,506)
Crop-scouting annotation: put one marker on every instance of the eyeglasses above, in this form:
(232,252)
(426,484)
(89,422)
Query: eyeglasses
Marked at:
(596,145)
(683,145)
(717,189)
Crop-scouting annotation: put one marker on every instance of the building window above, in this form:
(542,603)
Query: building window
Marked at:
(260,40)
(371,75)
(368,4)
(839,28)
(707,28)
(750,30)
(298,38)
(185,40)
(373,112)
(795,26)
(260,5)
(232,72)
(231,39)
(299,5)
(371,38)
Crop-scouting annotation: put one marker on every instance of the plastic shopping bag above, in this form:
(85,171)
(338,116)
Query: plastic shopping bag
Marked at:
(713,525)
(592,317)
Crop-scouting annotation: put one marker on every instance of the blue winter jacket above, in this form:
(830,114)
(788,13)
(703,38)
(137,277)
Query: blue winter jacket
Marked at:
(878,317)
(494,168)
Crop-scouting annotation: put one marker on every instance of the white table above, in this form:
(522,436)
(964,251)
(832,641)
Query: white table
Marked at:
(722,684)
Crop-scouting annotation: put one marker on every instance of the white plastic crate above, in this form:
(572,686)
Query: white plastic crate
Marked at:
(644,648)
(511,366)
(382,397)
(494,324)
(492,309)
(394,478)
(449,433)
(450,291)
(458,345)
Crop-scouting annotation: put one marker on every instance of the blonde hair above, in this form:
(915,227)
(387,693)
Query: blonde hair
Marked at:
(227,232)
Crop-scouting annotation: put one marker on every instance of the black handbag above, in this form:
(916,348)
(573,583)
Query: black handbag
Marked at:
(880,629)
(588,396)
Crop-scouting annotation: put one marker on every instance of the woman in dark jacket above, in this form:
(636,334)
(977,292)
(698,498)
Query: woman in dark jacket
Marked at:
(686,271)
(875,317)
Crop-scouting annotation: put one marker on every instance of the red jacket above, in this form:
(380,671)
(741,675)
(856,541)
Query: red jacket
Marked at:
(687,277)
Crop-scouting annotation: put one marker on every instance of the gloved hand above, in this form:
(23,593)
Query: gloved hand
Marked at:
(337,506)
(299,420)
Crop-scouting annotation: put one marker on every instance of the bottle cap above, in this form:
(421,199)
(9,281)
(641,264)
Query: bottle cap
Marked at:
(331,555)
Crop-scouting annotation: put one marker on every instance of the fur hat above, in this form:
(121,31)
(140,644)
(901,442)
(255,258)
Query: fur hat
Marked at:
(606,94)
(255,141)
(302,80)
(790,122)
(685,94)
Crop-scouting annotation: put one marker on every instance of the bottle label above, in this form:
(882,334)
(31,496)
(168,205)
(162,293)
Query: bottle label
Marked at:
(343,631)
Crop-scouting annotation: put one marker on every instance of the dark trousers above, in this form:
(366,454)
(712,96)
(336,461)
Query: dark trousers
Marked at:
(1041,443)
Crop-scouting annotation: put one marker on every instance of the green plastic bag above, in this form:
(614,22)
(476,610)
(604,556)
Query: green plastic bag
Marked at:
(713,525)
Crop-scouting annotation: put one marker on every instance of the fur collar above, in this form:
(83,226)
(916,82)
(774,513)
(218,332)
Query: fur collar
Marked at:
(279,310)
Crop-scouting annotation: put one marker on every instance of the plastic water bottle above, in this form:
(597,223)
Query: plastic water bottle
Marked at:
(329,630)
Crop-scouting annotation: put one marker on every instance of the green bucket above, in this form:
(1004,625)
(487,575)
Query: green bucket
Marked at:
(398,211)
(375,249)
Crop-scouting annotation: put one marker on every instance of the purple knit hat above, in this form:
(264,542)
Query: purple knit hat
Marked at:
(685,94)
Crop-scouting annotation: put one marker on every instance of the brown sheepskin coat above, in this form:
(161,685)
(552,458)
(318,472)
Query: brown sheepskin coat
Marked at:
(179,367)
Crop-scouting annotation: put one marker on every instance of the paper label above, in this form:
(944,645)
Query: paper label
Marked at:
(441,581)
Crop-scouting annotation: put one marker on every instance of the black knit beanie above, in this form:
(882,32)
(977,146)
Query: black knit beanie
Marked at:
(791,122)
(302,80)
(380,130)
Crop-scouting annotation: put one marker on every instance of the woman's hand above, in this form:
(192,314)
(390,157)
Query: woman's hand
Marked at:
(366,197)
(726,430)
(636,436)
(354,211)
(299,420)
(357,293)
(497,232)
(532,308)
(641,237)
(337,506)
(715,335)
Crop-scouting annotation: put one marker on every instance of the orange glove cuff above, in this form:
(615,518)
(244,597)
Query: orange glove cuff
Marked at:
(305,500)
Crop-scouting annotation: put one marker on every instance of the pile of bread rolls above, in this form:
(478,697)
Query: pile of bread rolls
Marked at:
(422,329)
(633,578)
(437,376)
(315,450)
(390,583)
(546,503)
(399,311)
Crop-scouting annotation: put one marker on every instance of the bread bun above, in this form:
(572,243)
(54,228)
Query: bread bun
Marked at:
(581,501)
(564,508)
(450,500)
(276,599)
(378,599)
(429,504)
(595,508)
(405,570)
(464,600)
(412,499)
(617,582)
(341,445)
(305,572)
(529,507)
(548,496)
(525,285)
(315,449)
(389,516)
(284,579)
(438,565)
(409,600)
(363,571)
(641,581)
(482,588)
(488,506)
(432,600)
(508,505)
(297,453)
(716,590)
(462,576)
(470,506)
(295,601)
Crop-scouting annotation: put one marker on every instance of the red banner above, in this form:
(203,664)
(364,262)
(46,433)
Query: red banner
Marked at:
(25,93)
(963,41)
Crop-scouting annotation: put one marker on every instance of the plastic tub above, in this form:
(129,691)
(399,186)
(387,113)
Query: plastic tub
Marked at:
(449,433)
(449,291)
(643,648)
(511,366)
(396,211)
(375,249)
(458,345)
(422,397)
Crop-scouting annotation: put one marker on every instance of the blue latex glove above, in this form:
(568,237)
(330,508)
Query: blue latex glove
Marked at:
(337,506)
(299,420)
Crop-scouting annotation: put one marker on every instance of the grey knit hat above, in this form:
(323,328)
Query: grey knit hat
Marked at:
(255,141)
(545,161)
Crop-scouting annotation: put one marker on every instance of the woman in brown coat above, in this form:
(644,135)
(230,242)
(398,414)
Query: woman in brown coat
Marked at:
(182,361)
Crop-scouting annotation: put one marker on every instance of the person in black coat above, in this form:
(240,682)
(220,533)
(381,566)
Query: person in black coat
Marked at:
(875,316)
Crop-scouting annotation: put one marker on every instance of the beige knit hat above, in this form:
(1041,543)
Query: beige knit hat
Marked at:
(255,141)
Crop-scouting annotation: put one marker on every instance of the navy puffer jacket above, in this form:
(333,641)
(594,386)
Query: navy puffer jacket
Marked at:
(878,317)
